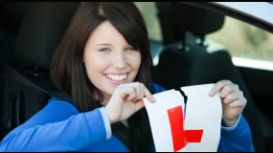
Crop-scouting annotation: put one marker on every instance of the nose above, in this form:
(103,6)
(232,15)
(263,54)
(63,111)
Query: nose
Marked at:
(119,61)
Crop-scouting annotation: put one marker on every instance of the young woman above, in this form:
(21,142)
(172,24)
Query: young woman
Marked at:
(103,63)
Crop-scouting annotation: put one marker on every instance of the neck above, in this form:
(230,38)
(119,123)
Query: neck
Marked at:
(106,98)
(104,102)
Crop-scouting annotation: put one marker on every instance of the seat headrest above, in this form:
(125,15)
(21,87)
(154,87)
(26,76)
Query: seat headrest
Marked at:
(42,29)
(197,20)
(12,14)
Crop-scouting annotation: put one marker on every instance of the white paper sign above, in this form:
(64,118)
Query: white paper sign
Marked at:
(200,131)
(159,120)
(203,112)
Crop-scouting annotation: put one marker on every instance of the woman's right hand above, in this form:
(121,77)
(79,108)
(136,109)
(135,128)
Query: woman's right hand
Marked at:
(126,100)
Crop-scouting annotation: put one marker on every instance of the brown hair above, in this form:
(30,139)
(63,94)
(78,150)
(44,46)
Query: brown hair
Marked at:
(67,69)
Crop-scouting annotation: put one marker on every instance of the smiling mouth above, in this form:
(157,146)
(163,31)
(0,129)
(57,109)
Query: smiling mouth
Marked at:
(117,77)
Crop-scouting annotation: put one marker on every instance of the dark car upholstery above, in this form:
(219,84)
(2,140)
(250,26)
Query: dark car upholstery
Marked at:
(41,29)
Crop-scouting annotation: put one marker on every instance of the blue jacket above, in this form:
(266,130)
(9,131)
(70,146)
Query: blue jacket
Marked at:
(61,127)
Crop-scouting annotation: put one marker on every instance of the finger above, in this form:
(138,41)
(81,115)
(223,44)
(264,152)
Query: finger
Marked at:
(149,96)
(226,90)
(130,94)
(139,104)
(231,97)
(138,90)
(218,86)
(140,94)
(137,86)
(141,90)
(238,103)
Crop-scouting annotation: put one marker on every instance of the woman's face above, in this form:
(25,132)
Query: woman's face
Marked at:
(109,60)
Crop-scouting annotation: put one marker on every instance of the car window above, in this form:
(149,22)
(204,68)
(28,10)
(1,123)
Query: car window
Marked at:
(244,42)
(149,12)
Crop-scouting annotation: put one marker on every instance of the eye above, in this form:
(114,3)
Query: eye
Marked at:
(130,49)
(104,49)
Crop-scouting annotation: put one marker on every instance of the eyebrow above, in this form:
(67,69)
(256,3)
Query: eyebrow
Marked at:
(104,44)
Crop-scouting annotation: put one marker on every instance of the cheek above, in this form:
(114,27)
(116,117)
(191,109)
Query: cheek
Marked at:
(94,66)
(135,61)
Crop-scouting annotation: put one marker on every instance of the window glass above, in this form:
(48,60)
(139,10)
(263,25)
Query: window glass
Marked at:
(244,40)
(149,13)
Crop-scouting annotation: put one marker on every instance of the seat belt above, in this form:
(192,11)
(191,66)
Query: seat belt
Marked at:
(9,73)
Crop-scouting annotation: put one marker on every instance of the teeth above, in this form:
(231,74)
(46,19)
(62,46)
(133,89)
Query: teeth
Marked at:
(116,77)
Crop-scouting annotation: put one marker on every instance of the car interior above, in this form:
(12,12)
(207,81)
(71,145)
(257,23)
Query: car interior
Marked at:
(30,32)
(195,65)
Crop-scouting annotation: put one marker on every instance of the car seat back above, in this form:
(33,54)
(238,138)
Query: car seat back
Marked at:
(40,32)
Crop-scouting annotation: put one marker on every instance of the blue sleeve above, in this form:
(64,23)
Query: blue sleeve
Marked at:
(106,122)
(236,139)
(66,133)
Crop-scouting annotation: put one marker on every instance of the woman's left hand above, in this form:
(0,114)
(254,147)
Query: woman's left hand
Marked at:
(233,100)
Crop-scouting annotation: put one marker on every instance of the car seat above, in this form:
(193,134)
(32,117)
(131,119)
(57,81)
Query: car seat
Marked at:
(192,64)
(41,30)
(11,17)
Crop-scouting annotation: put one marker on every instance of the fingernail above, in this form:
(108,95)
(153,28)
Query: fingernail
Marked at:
(211,93)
